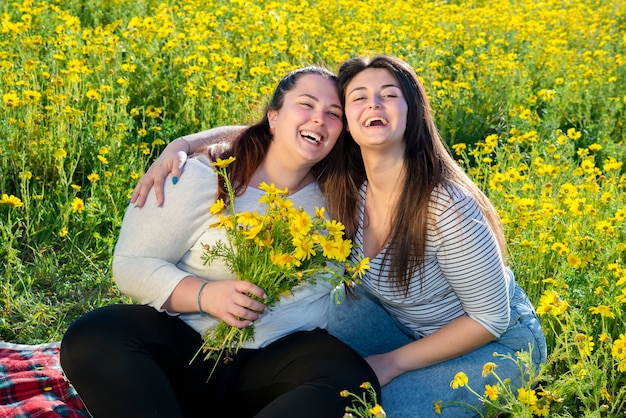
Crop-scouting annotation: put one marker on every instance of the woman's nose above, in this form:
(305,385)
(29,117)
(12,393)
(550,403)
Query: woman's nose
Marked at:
(374,102)
(318,116)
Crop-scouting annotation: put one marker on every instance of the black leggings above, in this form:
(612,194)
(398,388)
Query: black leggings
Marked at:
(132,361)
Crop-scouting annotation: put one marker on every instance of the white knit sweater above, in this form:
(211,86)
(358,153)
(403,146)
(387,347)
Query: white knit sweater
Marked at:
(159,246)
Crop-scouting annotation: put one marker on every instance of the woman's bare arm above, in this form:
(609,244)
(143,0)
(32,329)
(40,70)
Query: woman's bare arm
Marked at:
(173,158)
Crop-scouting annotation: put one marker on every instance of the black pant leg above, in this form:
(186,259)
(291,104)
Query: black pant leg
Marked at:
(132,361)
(302,375)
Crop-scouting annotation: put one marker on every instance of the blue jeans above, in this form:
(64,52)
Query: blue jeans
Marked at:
(367,327)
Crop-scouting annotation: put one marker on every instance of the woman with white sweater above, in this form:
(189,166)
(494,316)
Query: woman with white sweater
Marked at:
(136,360)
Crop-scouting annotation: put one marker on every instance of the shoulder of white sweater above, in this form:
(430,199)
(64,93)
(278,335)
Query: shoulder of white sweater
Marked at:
(185,206)
(197,182)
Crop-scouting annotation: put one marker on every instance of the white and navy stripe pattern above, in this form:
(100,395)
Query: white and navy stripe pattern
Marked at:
(463,273)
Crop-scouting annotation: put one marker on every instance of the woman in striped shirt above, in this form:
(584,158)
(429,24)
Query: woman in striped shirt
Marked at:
(438,298)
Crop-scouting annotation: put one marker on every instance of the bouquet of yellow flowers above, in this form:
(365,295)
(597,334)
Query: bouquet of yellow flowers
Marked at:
(277,250)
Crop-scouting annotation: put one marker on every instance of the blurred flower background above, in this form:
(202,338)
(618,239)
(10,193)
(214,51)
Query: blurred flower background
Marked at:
(530,96)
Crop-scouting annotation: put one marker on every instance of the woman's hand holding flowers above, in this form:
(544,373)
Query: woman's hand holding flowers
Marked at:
(230,301)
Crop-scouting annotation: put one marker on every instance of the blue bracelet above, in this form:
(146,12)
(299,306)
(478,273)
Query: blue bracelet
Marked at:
(200,298)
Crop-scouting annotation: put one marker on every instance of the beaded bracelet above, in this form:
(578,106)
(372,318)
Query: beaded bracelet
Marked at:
(200,298)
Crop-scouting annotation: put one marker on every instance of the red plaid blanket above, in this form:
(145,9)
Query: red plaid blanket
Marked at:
(32,384)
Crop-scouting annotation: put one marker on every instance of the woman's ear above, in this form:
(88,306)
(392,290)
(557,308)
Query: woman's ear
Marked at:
(271,117)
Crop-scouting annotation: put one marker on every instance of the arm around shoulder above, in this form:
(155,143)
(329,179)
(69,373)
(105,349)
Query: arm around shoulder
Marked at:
(198,141)
(153,239)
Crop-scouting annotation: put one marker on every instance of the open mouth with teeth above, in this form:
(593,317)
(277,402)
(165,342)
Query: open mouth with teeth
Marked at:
(312,137)
(377,121)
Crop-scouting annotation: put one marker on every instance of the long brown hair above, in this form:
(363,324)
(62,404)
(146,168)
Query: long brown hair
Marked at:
(251,146)
(427,164)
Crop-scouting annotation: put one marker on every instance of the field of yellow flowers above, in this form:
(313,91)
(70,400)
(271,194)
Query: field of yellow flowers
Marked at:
(529,94)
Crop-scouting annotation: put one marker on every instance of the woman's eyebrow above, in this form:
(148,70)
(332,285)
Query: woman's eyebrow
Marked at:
(312,97)
(384,86)
(356,89)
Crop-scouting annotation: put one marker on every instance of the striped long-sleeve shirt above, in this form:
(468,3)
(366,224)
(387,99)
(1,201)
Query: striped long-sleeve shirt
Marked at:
(463,273)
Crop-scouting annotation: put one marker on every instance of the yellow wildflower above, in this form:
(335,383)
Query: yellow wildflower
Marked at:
(491,392)
(438,405)
(612,164)
(604,393)
(619,352)
(32,96)
(284,204)
(551,303)
(282,260)
(527,397)
(359,268)
(12,201)
(377,411)
(304,248)
(224,222)
(223,163)
(92,94)
(78,205)
(334,228)
(217,206)
(343,249)
(459,148)
(584,343)
(460,380)
(488,368)
(560,248)
(300,223)
(269,189)
(253,232)
(572,133)
(10,99)
(153,112)
(540,410)
(573,260)
(328,248)
(222,85)
(568,189)
(602,310)
(246,218)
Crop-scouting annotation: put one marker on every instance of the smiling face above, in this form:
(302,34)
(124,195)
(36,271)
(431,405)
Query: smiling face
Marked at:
(308,123)
(376,110)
